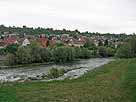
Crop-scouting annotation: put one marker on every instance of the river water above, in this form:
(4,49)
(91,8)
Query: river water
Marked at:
(10,74)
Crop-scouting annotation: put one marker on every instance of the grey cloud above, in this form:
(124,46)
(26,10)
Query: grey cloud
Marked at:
(93,15)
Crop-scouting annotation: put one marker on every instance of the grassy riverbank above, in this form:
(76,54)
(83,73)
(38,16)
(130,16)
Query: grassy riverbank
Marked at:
(114,82)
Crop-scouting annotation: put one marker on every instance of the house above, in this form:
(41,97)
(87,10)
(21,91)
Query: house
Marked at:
(82,39)
(43,42)
(9,41)
(26,42)
(64,37)
(52,42)
(76,42)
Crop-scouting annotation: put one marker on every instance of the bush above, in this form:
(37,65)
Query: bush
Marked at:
(61,71)
(110,52)
(128,48)
(10,59)
(23,56)
(85,53)
(46,55)
(124,51)
(102,51)
(77,52)
(55,73)
(63,54)
(90,45)
(3,51)
(12,48)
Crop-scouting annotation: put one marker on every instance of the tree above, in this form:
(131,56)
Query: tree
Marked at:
(102,51)
(100,43)
(85,53)
(78,52)
(128,48)
(35,52)
(10,59)
(23,55)
(46,55)
(110,52)
(12,48)
(90,45)
(132,43)
(124,51)
(63,54)
(106,42)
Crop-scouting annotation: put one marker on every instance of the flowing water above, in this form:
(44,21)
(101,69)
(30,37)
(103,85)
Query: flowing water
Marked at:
(14,73)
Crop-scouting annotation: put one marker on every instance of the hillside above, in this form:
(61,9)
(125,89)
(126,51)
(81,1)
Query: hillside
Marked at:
(114,82)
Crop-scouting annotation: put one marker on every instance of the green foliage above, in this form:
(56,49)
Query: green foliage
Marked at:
(106,42)
(128,49)
(55,73)
(132,43)
(90,45)
(12,48)
(46,55)
(59,45)
(35,54)
(23,55)
(62,71)
(63,54)
(110,52)
(124,51)
(102,51)
(85,53)
(78,52)
(10,59)
(100,43)
(2,51)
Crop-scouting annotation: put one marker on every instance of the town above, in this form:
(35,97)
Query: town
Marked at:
(78,39)
(25,45)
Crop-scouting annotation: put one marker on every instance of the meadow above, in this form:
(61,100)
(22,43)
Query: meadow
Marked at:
(113,82)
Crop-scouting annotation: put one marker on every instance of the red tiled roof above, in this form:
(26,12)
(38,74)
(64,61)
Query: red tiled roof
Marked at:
(43,42)
(8,41)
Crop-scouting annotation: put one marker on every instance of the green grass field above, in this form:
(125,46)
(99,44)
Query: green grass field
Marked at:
(114,82)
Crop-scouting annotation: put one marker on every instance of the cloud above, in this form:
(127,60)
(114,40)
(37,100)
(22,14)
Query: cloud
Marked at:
(92,15)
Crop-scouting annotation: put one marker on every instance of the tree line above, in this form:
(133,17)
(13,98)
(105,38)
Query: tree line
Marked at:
(50,31)
(128,48)
(16,55)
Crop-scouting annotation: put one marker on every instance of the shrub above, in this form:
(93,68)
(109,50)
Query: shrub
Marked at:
(12,48)
(23,56)
(61,71)
(90,45)
(55,73)
(46,55)
(63,54)
(85,53)
(124,51)
(128,48)
(102,51)
(110,52)
(10,59)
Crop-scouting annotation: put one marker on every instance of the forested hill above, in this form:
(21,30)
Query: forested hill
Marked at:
(39,30)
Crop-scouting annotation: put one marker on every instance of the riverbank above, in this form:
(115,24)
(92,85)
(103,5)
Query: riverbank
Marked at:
(113,82)
(24,65)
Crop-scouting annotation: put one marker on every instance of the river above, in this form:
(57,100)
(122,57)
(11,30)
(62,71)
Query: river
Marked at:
(11,74)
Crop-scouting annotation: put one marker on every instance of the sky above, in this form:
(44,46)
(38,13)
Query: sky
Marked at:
(113,16)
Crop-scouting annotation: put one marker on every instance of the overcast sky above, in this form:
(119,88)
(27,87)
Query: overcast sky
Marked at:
(114,16)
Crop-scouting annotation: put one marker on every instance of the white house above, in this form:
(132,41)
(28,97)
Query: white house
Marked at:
(16,42)
(26,42)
